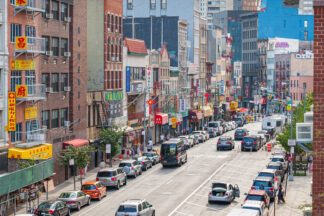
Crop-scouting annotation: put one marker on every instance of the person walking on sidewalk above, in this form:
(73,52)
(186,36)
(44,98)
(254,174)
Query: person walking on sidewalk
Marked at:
(280,195)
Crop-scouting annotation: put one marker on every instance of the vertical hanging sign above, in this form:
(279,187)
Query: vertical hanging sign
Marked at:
(182,105)
(149,79)
(128,75)
(11,111)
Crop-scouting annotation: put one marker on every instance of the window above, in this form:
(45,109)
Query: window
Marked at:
(129,4)
(15,31)
(297,83)
(108,51)
(64,81)
(47,8)
(31,126)
(163,4)
(15,79)
(30,31)
(98,114)
(16,135)
(55,82)
(305,35)
(30,82)
(108,80)
(304,85)
(55,10)
(108,22)
(46,44)
(64,115)
(93,115)
(46,80)
(120,79)
(112,23)
(55,118)
(89,116)
(64,46)
(116,79)
(64,11)
(120,25)
(112,79)
(153,4)
(55,46)
(305,23)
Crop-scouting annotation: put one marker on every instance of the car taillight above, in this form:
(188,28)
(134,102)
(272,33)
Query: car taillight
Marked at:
(35,212)
(236,133)
(51,212)
(254,143)
(252,188)
(228,141)
(242,142)
(271,189)
(200,135)
(71,202)
(113,179)
(177,157)
(218,142)
(226,194)
(97,179)
(160,157)
(142,162)
(210,193)
(244,134)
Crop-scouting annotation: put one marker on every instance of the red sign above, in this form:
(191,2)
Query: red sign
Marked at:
(161,119)
(207,95)
(150,102)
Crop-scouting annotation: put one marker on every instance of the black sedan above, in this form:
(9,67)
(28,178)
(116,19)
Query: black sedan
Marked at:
(52,208)
(145,162)
(225,142)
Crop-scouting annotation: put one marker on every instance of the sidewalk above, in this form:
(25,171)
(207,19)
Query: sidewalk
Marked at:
(298,195)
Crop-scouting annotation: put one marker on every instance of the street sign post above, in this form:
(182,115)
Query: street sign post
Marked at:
(291,142)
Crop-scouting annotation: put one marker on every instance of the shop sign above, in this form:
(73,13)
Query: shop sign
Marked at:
(161,119)
(182,105)
(174,126)
(149,79)
(233,105)
(21,2)
(31,113)
(128,78)
(21,43)
(21,91)
(174,120)
(22,65)
(11,111)
(41,152)
(114,96)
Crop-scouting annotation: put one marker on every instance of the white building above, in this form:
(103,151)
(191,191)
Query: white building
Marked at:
(3,74)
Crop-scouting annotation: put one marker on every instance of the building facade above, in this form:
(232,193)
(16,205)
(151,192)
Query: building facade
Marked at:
(252,5)
(262,65)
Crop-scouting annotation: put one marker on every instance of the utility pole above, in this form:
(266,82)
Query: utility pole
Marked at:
(144,122)
(291,178)
(202,106)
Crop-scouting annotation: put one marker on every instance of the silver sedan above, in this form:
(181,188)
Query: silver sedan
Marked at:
(75,199)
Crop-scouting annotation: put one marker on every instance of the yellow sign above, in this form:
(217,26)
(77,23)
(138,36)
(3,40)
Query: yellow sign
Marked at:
(174,126)
(174,120)
(6,128)
(288,107)
(31,113)
(40,152)
(233,105)
(22,65)
(21,91)
(21,2)
(21,43)
(11,111)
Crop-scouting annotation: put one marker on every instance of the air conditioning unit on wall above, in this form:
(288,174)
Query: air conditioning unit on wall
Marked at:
(304,132)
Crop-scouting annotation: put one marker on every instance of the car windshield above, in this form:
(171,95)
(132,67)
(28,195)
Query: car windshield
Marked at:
(67,195)
(240,131)
(261,183)
(213,124)
(196,133)
(219,185)
(125,164)
(127,208)
(273,167)
(253,208)
(248,139)
(255,197)
(168,149)
(148,154)
(88,187)
(224,139)
(266,174)
(105,174)
(277,160)
(47,205)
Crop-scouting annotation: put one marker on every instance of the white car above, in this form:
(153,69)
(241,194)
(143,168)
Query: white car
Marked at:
(258,206)
(135,207)
(201,136)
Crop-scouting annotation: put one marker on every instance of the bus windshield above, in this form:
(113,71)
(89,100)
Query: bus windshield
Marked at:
(168,149)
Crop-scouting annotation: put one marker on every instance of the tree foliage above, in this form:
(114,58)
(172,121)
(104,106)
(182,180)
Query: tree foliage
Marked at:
(112,135)
(80,156)
(27,163)
(298,117)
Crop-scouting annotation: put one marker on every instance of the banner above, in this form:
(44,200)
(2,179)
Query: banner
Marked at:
(21,91)
(182,105)
(21,2)
(31,113)
(114,96)
(22,65)
(21,43)
(11,111)
(128,74)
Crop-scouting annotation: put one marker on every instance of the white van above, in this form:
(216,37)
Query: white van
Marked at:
(275,122)
(243,212)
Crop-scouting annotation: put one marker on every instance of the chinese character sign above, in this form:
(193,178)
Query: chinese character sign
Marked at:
(22,65)
(21,91)
(30,113)
(182,105)
(128,75)
(149,79)
(21,43)
(11,111)
(21,2)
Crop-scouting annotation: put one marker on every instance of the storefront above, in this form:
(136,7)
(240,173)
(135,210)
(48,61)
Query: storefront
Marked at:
(208,114)
(161,126)
(195,118)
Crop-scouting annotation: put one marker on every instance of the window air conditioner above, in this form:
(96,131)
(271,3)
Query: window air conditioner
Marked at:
(49,53)
(304,132)
(66,123)
(67,19)
(49,16)
(67,54)
(67,88)
(49,90)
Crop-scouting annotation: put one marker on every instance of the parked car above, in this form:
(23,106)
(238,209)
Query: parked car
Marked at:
(206,134)
(145,162)
(265,133)
(239,121)
(112,177)
(223,192)
(188,143)
(153,156)
(251,142)
(173,152)
(227,126)
(262,139)
(75,199)
(280,152)
(281,159)
(257,206)
(52,208)
(135,207)
(277,166)
(131,167)
(194,139)
(271,132)
(212,132)
(240,133)
(201,136)
(217,125)
(258,195)
(95,189)
(225,142)
(275,174)
(264,183)
(243,212)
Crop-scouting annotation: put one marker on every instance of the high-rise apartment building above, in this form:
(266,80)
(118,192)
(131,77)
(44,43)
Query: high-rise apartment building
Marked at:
(251,5)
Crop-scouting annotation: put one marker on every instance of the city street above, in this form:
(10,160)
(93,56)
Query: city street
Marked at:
(183,190)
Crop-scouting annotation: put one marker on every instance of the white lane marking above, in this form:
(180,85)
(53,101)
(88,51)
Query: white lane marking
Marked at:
(169,182)
(202,206)
(197,189)
(181,213)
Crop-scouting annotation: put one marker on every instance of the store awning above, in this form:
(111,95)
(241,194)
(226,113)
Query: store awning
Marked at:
(75,143)
(207,111)
(40,152)
(195,115)
(161,118)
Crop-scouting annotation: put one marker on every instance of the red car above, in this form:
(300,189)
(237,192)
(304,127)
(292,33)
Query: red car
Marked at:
(258,195)
(95,189)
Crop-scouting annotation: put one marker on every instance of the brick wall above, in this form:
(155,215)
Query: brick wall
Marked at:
(318,165)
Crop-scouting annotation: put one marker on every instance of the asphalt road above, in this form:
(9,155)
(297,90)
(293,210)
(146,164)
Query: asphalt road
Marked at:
(184,190)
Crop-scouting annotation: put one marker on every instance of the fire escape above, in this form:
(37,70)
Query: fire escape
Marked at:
(32,48)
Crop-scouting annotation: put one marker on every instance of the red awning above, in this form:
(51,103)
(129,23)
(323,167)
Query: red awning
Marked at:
(75,143)
(161,118)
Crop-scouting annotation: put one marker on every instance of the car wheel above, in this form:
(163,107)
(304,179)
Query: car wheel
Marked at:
(210,202)
(99,198)
(89,201)
(135,174)
(217,149)
(153,214)
(78,206)
(145,168)
(125,181)
(141,172)
(118,185)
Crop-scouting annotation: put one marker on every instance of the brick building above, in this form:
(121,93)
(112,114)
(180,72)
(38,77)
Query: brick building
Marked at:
(318,148)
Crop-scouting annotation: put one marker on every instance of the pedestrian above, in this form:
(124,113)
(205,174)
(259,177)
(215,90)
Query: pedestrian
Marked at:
(138,151)
(310,163)
(162,138)
(150,145)
(280,195)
